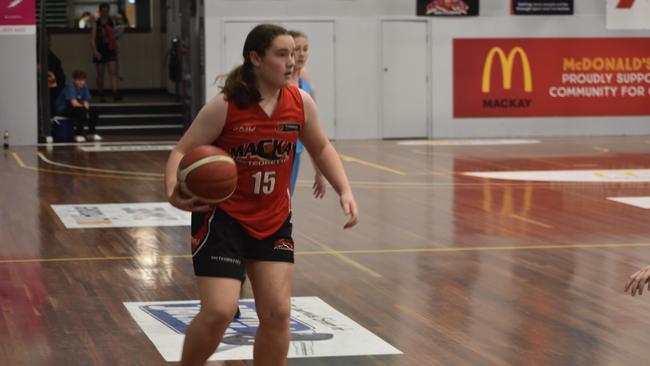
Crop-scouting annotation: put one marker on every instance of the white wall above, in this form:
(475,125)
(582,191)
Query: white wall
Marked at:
(357,24)
(356,49)
(275,8)
(18,93)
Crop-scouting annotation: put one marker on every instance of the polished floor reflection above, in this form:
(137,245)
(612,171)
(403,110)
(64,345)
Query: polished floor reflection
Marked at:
(449,268)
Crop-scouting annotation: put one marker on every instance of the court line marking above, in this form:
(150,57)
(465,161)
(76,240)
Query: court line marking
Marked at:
(306,183)
(121,172)
(301,183)
(113,143)
(110,171)
(340,256)
(350,251)
(372,165)
(126,175)
(531,221)
(22,164)
(359,184)
(439,173)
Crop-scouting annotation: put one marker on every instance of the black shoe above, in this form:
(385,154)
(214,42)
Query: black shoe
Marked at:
(102,98)
(117,97)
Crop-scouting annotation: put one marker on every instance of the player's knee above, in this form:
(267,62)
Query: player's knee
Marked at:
(217,317)
(276,318)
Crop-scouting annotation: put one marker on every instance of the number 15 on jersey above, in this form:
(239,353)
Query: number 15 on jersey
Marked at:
(264,182)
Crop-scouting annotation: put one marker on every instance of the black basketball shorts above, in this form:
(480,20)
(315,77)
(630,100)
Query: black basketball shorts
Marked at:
(220,245)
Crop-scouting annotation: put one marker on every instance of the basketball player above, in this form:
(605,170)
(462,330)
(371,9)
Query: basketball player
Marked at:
(638,280)
(258,118)
(298,78)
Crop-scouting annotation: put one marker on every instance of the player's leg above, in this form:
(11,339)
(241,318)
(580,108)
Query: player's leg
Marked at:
(272,283)
(219,297)
(112,73)
(99,68)
(217,256)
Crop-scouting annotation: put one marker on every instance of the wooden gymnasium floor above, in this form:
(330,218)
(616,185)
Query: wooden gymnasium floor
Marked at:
(449,269)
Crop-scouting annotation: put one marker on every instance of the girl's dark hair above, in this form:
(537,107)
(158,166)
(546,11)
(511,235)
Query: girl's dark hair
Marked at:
(104,5)
(240,85)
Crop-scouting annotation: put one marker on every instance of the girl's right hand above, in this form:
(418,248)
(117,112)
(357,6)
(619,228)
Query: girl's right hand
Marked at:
(98,55)
(182,202)
(350,209)
(319,186)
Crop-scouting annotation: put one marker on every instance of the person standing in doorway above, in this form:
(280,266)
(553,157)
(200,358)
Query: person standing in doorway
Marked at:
(104,46)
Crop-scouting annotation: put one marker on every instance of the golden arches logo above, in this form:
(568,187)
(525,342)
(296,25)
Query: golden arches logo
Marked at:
(507,62)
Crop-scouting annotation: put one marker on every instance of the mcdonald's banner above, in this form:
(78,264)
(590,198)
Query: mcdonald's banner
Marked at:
(628,14)
(447,7)
(545,77)
(542,7)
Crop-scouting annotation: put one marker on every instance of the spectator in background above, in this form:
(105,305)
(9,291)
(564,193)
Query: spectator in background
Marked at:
(55,74)
(74,102)
(104,47)
(86,20)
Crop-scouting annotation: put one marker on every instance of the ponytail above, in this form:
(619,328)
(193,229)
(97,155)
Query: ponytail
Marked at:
(240,86)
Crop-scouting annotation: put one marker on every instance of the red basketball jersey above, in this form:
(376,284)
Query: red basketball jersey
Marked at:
(263,148)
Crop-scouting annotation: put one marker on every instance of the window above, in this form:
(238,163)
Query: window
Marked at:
(79,14)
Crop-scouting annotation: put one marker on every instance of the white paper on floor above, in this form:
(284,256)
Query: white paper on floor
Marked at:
(113,215)
(317,330)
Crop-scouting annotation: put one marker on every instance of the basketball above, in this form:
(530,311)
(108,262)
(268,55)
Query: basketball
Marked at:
(207,173)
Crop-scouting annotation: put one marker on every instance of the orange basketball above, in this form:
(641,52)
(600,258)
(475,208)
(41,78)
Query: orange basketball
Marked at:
(208,173)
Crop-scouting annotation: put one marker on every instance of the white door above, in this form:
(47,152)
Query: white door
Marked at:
(234,38)
(404,69)
(320,63)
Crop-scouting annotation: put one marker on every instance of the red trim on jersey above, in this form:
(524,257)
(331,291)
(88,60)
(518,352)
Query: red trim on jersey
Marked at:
(202,233)
(263,148)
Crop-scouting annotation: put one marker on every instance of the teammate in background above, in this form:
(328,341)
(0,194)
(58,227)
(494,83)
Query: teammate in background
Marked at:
(300,78)
(258,118)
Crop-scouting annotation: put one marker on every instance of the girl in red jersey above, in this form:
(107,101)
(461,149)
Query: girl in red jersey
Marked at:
(257,118)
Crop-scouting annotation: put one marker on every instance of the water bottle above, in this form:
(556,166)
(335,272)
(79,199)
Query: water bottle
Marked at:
(6,140)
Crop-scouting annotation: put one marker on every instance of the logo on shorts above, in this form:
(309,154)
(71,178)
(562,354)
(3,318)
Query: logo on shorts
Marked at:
(225,259)
(283,244)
